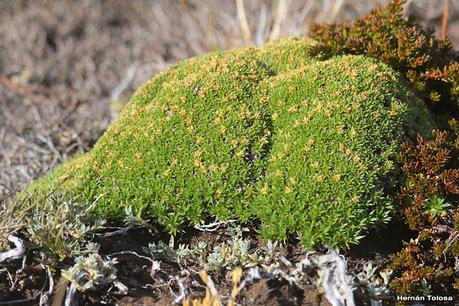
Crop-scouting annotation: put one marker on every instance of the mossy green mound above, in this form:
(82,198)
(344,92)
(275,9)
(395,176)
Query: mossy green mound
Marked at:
(269,134)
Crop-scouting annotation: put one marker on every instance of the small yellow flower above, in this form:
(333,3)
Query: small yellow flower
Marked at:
(198,153)
(327,114)
(278,173)
(212,168)
(310,142)
(356,158)
(292,109)
(64,177)
(199,139)
(293,180)
(167,172)
(274,116)
(222,130)
(223,167)
(264,190)
(240,153)
(353,132)
(306,149)
(337,177)
(315,165)
(288,190)
(319,178)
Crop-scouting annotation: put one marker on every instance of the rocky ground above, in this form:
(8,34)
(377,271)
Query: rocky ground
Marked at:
(68,67)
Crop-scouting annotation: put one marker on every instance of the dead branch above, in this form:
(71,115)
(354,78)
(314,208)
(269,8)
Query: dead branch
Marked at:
(243,22)
(444,21)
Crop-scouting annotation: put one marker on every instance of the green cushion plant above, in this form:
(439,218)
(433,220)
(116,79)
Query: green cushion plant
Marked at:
(306,146)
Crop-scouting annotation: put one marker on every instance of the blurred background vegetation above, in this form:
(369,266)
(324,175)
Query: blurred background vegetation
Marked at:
(68,67)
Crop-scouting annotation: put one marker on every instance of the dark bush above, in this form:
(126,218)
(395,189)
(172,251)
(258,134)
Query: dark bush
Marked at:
(428,204)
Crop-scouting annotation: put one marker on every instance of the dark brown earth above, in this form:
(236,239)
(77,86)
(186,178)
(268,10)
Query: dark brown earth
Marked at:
(146,288)
(67,67)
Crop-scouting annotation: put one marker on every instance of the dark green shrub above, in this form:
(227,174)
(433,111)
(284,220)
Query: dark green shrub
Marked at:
(430,65)
(268,134)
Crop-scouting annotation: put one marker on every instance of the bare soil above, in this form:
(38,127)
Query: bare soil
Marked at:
(148,288)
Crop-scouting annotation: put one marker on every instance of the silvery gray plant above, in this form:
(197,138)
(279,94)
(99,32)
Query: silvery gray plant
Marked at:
(377,285)
(91,272)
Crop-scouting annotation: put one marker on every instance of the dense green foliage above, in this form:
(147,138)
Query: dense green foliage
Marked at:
(431,65)
(270,134)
